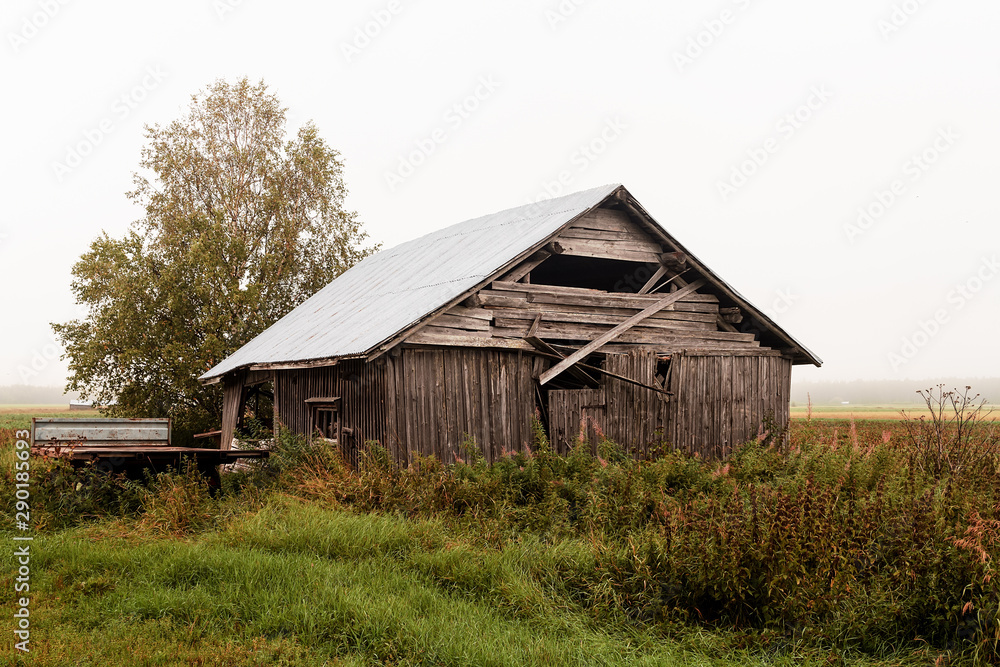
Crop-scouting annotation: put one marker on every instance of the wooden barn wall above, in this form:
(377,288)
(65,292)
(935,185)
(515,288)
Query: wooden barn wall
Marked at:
(576,414)
(360,386)
(720,401)
(636,417)
(440,396)
(632,416)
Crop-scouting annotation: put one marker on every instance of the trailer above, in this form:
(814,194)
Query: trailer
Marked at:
(129,446)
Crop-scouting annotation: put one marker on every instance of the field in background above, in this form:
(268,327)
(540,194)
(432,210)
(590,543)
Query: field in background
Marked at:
(19,416)
(886,412)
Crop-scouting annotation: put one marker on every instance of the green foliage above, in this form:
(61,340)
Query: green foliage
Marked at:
(839,543)
(177,503)
(240,226)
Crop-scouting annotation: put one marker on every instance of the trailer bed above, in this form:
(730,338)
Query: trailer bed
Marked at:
(130,446)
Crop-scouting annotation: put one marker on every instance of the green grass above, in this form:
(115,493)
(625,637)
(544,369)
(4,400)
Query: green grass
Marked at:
(296,584)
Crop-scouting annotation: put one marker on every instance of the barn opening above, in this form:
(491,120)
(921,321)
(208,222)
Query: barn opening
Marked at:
(609,275)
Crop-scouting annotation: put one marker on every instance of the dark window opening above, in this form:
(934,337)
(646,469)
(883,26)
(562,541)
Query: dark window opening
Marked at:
(257,419)
(324,418)
(662,377)
(326,422)
(609,275)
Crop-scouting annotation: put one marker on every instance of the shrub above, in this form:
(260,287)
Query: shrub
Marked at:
(177,503)
(958,439)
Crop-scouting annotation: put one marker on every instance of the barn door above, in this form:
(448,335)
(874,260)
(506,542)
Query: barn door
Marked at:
(576,414)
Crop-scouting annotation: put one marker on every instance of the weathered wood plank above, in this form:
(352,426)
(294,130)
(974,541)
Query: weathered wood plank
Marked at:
(498,341)
(524,289)
(638,333)
(476,313)
(719,350)
(634,235)
(606,219)
(514,318)
(646,337)
(620,329)
(534,288)
(603,250)
(620,240)
(503,299)
(459,322)
(531,309)
(451,331)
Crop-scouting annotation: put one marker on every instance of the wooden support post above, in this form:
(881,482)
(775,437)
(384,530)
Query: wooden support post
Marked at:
(656,277)
(582,353)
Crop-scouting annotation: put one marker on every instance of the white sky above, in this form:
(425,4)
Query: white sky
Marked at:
(888,81)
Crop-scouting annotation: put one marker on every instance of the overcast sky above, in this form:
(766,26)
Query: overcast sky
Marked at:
(837,163)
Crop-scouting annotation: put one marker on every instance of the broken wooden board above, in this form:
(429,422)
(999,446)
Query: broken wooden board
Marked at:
(621,328)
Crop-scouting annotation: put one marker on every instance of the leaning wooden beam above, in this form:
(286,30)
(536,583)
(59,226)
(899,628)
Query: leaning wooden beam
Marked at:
(675,281)
(556,355)
(576,372)
(621,328)
(651,283)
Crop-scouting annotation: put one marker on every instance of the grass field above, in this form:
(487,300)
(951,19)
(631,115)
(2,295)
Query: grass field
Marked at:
(887,412)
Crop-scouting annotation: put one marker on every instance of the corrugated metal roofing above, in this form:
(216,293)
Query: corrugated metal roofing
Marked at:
(391,290)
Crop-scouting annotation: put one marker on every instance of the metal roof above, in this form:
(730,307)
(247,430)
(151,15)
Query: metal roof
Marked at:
(387,292)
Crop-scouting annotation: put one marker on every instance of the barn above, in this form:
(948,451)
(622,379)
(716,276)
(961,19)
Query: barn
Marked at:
(581,312)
